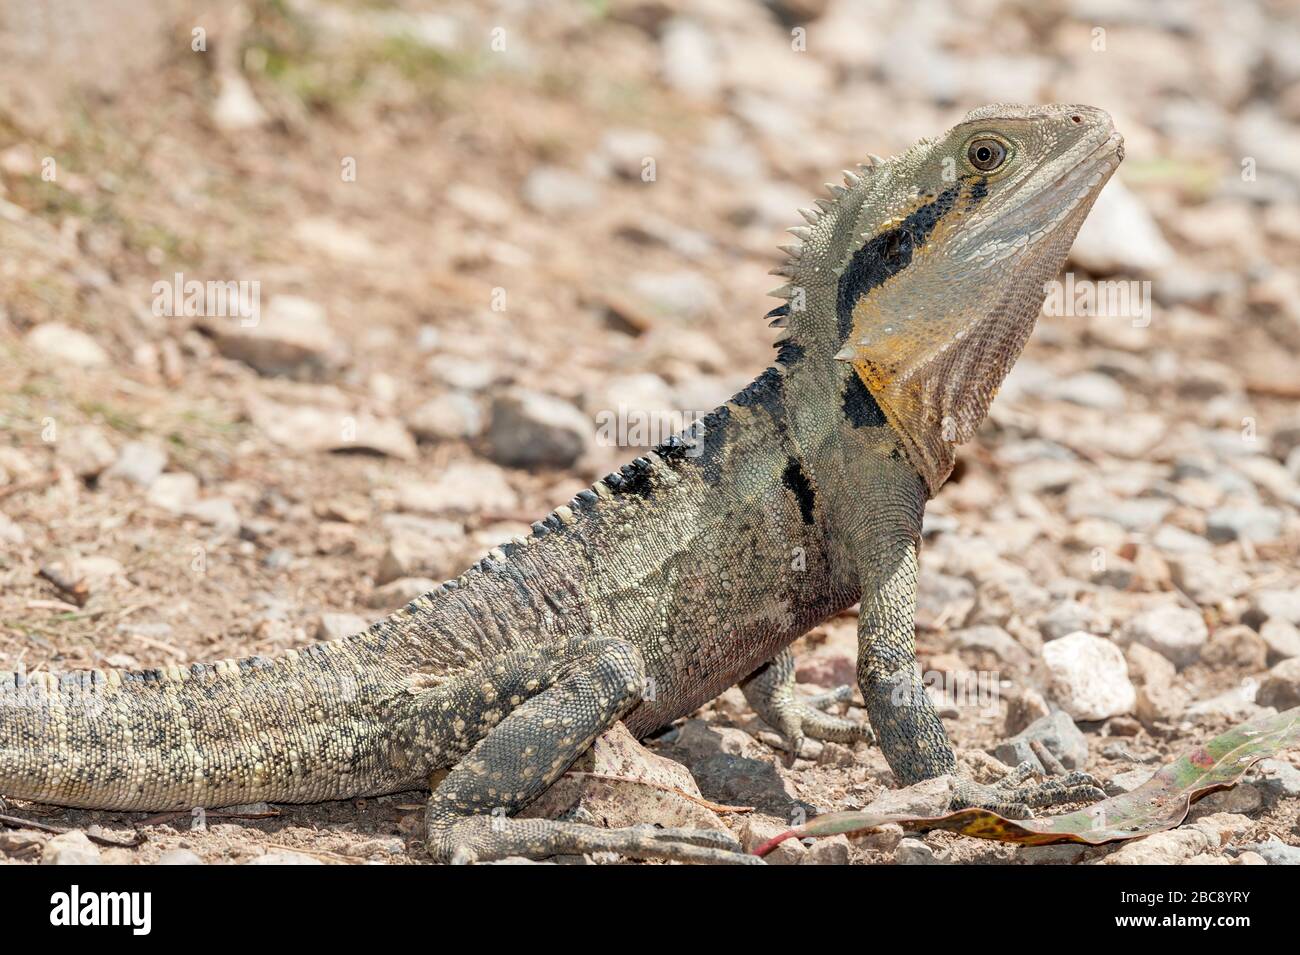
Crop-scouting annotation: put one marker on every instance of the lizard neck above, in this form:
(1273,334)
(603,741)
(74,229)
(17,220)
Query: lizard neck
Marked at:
(857,273)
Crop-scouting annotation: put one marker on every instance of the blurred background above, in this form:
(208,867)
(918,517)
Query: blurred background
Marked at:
(471,228)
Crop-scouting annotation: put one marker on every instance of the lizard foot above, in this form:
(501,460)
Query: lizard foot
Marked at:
(771,691)
(489,838)
(1012,798)
(802,719)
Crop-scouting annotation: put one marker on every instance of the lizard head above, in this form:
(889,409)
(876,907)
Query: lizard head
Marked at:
(934,264)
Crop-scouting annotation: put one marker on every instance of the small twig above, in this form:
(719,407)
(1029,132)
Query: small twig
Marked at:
(60,605)
(166,817)
(159,645)
(1051,764)
(318,853)
(1266,580)
(716,807)
(32,485)
(17,822)
(1274,390)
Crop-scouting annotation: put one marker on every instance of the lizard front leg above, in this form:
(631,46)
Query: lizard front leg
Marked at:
(907,725)
(533,713)
(771,692)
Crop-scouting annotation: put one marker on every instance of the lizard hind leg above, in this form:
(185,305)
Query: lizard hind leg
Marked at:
(530,736)
(770,690)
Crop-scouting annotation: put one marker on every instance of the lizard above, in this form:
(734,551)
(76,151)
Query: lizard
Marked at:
(909,295)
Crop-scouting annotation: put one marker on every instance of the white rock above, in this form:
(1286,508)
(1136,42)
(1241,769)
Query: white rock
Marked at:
(1280,687)
(636,410)
(1090,389)
(11,533)
(466,486)
(336,240)
(683,293)
(463,373)
(139,462)
(219,512)
(236,108)
(1252,522)
(625,151)
(70,848)
(284,857)
(85,450)
(399,593)
(552,190)
(1282,604)
(1120,235)
(992,639)
(1234,705)
(1205,579)
(439,31)
(63,343)
(1089,678)
(1068,617)
(291,336)
(446,417)
(307,428)
(532,429)
(15,466)
(1281,637)
(410,555)
(174,492)
(914,852)
(690,59)
(478,205)
(335,626)
(834,850)
(179,857)
(93,573)
(1176,633)
(1175,540)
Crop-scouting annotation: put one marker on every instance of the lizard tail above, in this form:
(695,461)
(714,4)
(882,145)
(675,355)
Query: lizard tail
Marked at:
(305,726)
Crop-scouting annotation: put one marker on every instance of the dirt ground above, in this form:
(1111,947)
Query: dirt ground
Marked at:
(441,203)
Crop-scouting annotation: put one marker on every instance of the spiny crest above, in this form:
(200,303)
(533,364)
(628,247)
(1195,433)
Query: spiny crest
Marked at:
(794,251)
(797,258)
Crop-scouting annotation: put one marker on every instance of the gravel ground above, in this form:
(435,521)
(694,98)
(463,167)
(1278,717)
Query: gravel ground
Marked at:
(442,207)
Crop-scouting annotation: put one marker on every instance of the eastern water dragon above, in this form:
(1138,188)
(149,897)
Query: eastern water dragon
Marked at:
(909,295)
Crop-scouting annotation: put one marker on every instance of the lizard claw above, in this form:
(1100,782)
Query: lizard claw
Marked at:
(804,718)
(1011,798)
(771,691)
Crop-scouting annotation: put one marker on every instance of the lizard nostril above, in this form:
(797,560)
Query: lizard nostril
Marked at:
(1076,119)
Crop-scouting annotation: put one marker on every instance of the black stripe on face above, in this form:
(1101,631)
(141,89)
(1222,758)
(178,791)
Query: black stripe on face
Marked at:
(860,405)
(887,254)
(799,485)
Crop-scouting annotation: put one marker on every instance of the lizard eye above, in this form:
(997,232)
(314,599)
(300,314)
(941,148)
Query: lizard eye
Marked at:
(986,154)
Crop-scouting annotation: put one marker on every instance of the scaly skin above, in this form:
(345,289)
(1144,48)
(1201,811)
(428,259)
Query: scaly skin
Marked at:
(690,570)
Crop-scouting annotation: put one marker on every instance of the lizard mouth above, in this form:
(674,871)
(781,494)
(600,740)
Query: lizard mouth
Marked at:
(1107,154)
(1112,144)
